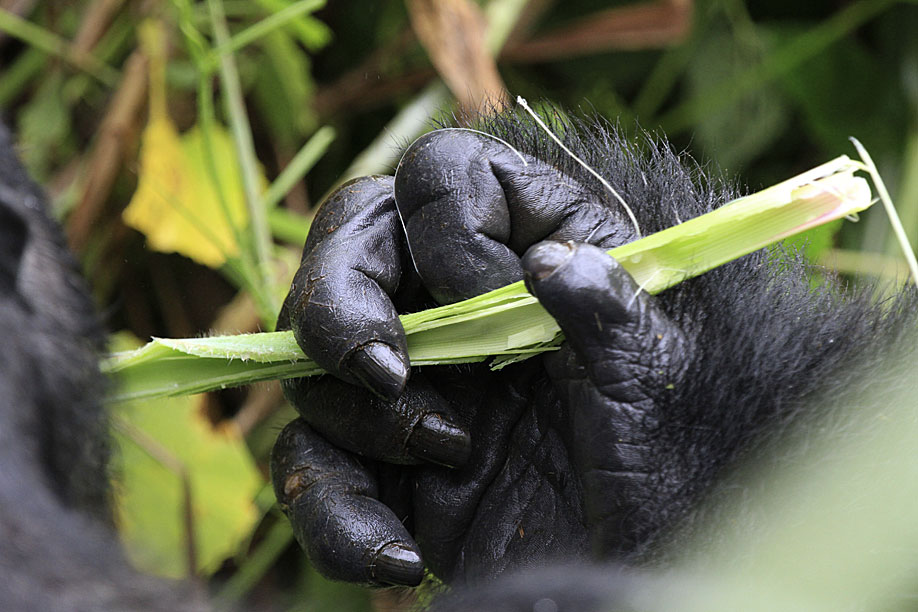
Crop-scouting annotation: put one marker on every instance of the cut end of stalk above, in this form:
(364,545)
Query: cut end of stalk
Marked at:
(823,194)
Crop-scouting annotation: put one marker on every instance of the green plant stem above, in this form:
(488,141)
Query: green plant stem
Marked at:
(196,43)
(660,82)
(413,120)
(898,230)
(502,16)
(288,226)
(118,39)
(256,565)
(19,73)
(907,194)
(38,37)
(241,272)
(301,163)
(245,150)
(305,33)
(267,25)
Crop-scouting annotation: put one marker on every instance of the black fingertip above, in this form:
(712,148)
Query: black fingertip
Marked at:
(542,259)
(380,367)
(396,564)
(437,440)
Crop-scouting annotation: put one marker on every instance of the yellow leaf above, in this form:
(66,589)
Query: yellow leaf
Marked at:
(184,204)
(176,204)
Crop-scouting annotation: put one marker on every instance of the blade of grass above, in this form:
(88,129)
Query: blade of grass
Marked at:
(196,43)
(288,226)
(382,154)
(301,163)
(267,25)
(244,271)
(509,321)
(312,34)
(502,16)
(118,40)
(38,37)
(18,74)
(245,149)
(894,221)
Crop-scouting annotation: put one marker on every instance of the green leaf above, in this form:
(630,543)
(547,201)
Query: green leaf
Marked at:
(283,90)
(309,31)
(743,130)
(834,110)
(170,454)
(176,206)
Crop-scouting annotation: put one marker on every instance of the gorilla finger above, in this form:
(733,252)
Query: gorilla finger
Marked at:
(340,303)
(419,426)
(624,339)
(330,499)
(470,198)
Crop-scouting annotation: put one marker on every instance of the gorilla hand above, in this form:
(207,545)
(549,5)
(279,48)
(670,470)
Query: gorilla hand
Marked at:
(547,456)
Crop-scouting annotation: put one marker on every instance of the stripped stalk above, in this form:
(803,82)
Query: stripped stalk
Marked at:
(509,323)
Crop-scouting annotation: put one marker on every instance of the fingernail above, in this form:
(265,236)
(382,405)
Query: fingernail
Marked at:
(436,439)
(544,258)
(395,564)
(378,366)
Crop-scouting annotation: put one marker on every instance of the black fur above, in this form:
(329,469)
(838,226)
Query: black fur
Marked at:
(57,550)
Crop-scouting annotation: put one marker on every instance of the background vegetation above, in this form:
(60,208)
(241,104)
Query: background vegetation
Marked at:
(186,144)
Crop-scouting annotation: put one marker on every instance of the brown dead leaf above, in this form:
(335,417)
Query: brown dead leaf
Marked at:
(453,34)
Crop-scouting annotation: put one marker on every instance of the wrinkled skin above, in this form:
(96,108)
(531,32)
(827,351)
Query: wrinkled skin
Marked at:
(540,467)
(605,449)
